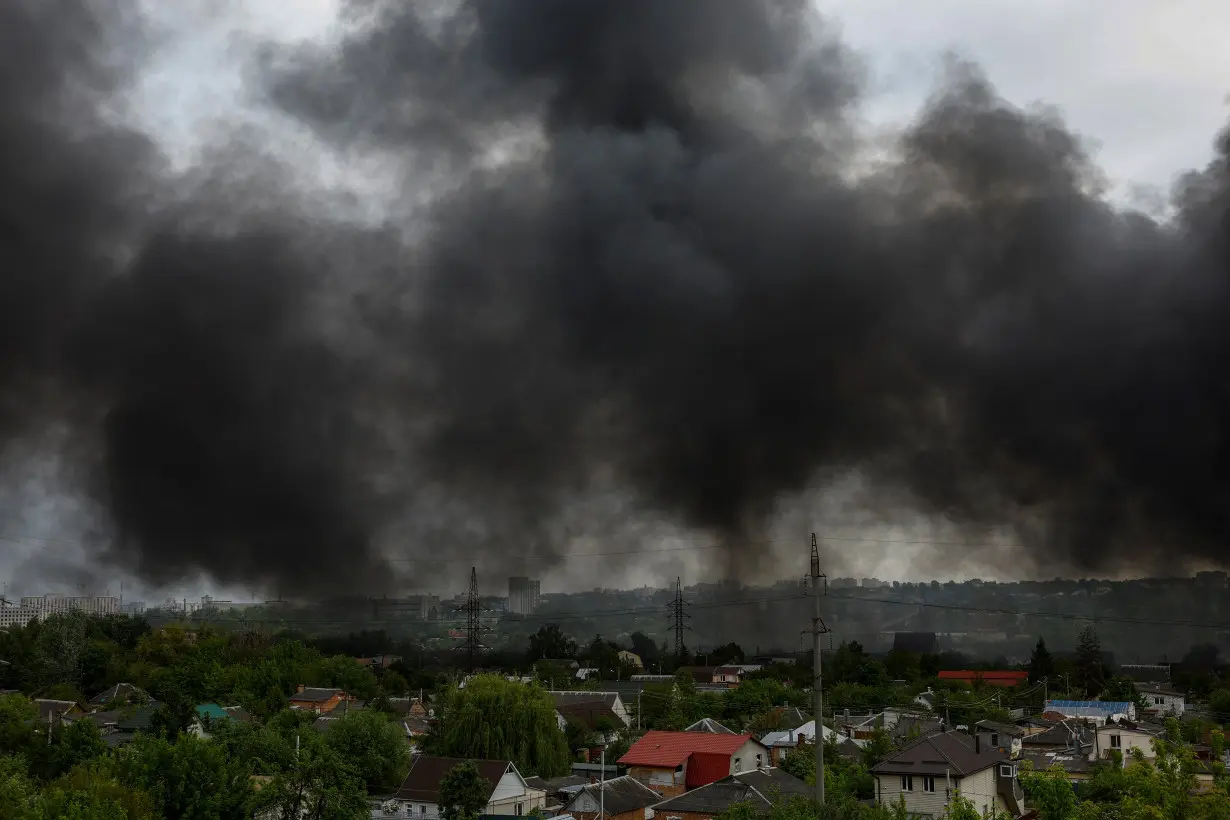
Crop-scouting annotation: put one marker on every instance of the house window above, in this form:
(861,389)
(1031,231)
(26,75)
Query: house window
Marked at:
(1116,742)
(1159,701)
(738,764)
(422,809)
(759,761)
(994,739)
(907,782)
(520,809)
(1005,771)
(929,784)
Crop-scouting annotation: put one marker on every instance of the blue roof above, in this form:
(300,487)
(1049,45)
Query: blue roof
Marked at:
(212,711)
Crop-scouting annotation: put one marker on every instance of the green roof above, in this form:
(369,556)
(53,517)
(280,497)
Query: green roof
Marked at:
(212,711)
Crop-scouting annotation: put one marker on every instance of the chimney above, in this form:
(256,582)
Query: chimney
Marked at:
(300,689)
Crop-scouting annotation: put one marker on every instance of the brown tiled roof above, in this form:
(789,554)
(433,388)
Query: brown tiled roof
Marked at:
(423,781)
(312,694)
(941,753)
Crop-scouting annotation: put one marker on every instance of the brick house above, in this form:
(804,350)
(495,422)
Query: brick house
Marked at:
(622,798)
(320,701)
(758,788)
(670,763)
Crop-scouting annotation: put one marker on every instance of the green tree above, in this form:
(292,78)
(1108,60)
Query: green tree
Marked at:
(1050,793)
(550,642)
(463,792)
(18,793)
(190,778)
(374,745)
(1041,664)
(496,719)
(322,786)
(90,792)
(1089,667)
(393,684)
(1123,690)
(78,742)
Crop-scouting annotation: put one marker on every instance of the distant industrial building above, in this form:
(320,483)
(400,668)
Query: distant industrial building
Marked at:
(13,616)
(133,608)
(523,595)
(424,607)
(52,604)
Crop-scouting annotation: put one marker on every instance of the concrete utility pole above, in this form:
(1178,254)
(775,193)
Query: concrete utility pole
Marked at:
(817,688)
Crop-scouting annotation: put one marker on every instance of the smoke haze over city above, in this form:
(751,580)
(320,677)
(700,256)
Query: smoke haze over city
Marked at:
(503,281)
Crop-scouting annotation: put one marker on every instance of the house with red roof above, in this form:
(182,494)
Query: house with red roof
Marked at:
(670,763)
(991,677)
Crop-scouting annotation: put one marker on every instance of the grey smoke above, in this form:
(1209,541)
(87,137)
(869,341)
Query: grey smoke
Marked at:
(696,291)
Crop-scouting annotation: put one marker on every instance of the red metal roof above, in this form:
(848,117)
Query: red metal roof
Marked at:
(665,750)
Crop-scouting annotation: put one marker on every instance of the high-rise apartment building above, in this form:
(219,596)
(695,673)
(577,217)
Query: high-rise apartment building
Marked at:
(52,604)
(523,594)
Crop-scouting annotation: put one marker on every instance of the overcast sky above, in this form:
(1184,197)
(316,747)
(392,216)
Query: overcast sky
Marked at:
(1145,80)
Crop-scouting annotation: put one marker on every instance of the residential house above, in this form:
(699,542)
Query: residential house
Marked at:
(413,707)
(1034,725)
(631,659)
(757,788)
(1164,699)
(378,662)
(589,701)
(119,695)
(929,772)
(593,715)
(900,724)
(781,717)
(1003,736)
(1069,733)
(700,674)
(559,790)
(318,700)
(624,798)
(1074,762)
(709,725)
(119,727)
(508,794)
(728,675)
(1097,710)
(206,713)
(55,710)
(994,677)
(781,744)
(1123,737)
(673,762)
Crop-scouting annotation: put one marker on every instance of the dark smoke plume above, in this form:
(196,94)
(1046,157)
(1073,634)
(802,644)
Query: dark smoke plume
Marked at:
(691,284)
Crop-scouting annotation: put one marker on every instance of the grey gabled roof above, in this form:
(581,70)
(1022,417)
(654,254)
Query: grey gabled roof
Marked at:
(713,799)
(618,795)
(1000,728)
(773,781)
(939,754)
(759,787)
(709,725)
(120,690)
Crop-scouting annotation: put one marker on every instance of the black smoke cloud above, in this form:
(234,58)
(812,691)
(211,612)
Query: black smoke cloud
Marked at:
(692,284)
